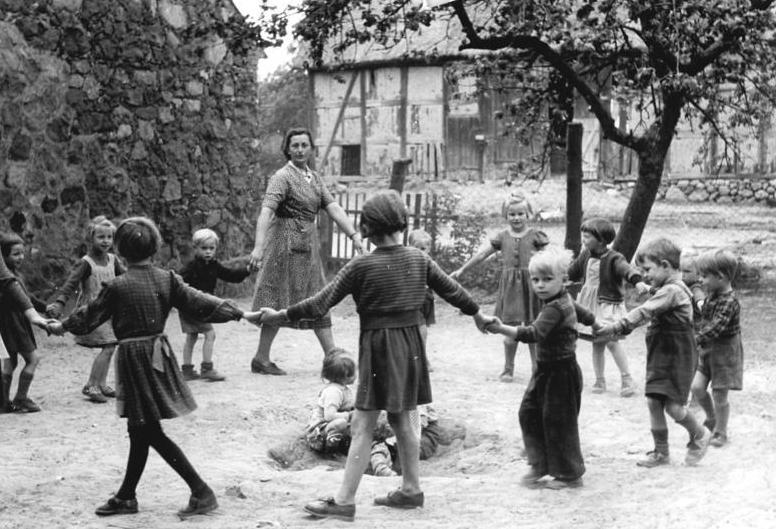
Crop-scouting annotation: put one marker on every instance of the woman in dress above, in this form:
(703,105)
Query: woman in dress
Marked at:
(286,253)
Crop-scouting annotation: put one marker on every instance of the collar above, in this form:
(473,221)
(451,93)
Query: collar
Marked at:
(556,296)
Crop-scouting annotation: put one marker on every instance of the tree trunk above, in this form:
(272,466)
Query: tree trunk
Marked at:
(651,162)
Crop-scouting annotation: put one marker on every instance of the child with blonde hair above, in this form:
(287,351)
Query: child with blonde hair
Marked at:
(721,355)
(604,272)
(671,351)
(96,268)
(389,288)
(549,411)
(516,304)
(202,273)
(17,336)
(328,430)
(150,384)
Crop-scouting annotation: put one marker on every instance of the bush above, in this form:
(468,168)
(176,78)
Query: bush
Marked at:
(467,230)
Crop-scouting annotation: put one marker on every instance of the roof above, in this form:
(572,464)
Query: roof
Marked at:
(437,43)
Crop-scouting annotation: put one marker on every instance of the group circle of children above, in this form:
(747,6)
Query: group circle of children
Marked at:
(692,343)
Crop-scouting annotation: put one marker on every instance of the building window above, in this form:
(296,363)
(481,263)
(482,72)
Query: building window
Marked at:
(351,160)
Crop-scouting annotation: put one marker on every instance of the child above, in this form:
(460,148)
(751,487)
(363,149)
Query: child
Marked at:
(14,297)
(329,428)
(421,240)
(550,407)
(150,385)
(671,353)
(17,335)
(721,359)
(389,288)
(94,269)
(515,303)
(603,272)
(202,273)
(689,266)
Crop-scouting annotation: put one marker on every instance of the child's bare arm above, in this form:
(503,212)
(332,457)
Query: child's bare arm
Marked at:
(475,260)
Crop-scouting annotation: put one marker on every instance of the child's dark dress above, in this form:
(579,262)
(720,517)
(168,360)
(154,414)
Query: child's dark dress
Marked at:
(389,288)
(15,328)
(550,408)
(150,386)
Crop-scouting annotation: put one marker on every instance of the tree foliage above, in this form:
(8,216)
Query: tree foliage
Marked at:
(709,61)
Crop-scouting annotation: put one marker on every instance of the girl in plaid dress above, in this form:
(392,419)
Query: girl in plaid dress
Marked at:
(150,386)
(389,288)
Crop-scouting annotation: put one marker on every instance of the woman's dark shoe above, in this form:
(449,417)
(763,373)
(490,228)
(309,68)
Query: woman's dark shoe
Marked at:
(328,508)
(117,506)
(270,368)
(400,500)
(202,504)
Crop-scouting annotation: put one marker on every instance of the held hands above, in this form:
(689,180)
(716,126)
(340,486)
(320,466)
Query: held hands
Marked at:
(455,274)
(484,322)
(253,316)
(604,331)
(273,317)
(495,326)
(55,327)
(358,245)
(642,288)
(255,260)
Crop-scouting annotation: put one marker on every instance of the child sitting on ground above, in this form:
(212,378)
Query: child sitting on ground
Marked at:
(721,355)
(671,351)
(329,428)
(550,409)
(17,335)
(202,273)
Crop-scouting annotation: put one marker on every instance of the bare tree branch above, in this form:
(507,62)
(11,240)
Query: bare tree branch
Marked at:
(525,42)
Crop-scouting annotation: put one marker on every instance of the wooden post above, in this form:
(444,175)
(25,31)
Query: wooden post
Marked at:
(573,186)
(399,174)
(402,114)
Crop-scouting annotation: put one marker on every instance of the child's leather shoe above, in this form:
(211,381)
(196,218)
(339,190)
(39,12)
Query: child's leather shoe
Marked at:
(202,504)
(116,505)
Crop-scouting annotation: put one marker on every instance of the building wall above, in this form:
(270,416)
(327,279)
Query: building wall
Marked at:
(117,109)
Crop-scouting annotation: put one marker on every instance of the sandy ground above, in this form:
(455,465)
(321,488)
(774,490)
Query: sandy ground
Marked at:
(58,465)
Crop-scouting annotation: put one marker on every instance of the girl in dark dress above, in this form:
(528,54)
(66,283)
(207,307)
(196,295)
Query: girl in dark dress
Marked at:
(150,386)
(17,335)
(389,288)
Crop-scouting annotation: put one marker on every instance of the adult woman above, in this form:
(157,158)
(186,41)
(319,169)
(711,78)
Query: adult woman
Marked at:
(286,251)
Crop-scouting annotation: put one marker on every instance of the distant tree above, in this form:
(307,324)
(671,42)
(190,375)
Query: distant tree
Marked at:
(711,61)
(284,102)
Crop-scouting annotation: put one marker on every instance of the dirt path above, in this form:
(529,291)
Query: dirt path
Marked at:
(56,466)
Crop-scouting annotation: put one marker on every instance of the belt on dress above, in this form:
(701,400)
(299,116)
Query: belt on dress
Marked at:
(161,348)
(391,320)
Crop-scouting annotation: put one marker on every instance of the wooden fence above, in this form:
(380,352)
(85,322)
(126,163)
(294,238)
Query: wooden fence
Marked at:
(337,248)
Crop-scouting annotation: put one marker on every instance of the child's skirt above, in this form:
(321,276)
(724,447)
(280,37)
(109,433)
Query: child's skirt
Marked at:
(392,366)
(722,362)
(604,311)
(190,325)
(671,362)
(516,302)
(149,383)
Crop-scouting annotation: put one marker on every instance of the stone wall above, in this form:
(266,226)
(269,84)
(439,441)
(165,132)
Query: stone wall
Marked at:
(760,190)
(120,108)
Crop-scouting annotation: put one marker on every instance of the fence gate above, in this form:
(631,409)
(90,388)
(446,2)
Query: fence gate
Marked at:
(337,248)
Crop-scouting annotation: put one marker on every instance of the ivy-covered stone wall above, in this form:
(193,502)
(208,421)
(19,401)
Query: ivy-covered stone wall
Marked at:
(125,107)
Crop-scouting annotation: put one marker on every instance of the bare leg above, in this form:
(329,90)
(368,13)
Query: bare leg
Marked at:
(325,338)
(510,351)
(207,346)
(188,347)
(700,383)
(362,429)
(408,445)
(100,367)
(618,353)
(599,363)
(266,338)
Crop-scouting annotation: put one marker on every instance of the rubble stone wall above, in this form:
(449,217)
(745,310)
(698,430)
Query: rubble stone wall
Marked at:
(124,107)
